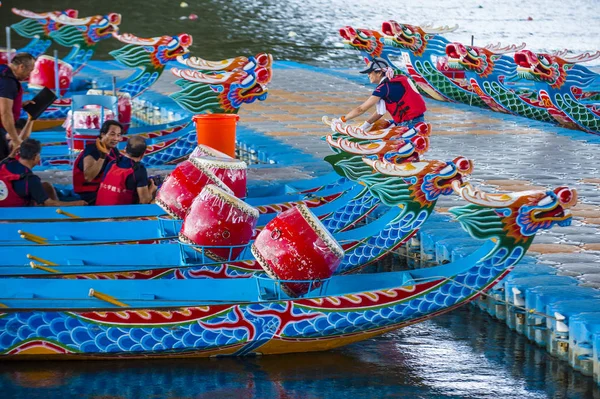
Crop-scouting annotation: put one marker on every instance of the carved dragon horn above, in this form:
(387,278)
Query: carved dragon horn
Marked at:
(584,57)
(428,28)
(498,49)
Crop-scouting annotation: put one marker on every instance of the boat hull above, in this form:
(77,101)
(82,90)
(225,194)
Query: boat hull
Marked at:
(269,325)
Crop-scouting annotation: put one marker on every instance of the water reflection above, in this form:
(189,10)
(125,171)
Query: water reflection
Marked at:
(461,355)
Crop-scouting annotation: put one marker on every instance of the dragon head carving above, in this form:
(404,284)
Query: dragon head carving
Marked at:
(409,37)
(477,59)
(156,51)
(43,23)
(232,89)
(395,144)
(169,48)
(263,60)
(91,29)
(541,67)
(364,40)
(517,216)
(427,180)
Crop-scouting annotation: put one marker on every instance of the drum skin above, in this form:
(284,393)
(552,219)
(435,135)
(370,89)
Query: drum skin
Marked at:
(182,186)
(231,172)
(296,246)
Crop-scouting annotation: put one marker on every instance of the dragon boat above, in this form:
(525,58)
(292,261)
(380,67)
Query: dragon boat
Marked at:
(493,75)
(38,27)
(420,47)
(148,56)
(76,319)
(421,51)
(567,90)
(222,92)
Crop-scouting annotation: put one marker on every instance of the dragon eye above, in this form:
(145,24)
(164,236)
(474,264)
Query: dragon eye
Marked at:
(185,40)
(463,164)
(471,51)
(262,75)
(564,195)
(420,143)
(262,59)
(114,18)
(362,35)
(103,22)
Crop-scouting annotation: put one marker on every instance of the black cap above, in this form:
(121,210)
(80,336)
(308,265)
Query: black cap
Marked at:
(375,65)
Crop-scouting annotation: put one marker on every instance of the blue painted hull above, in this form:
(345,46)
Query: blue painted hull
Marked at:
(115,319)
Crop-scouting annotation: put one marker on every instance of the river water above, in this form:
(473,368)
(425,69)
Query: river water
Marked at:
(464,354)
(307,30)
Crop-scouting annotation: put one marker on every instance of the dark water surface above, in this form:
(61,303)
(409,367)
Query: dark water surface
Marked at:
(307,30)
(461,355)
(464,354)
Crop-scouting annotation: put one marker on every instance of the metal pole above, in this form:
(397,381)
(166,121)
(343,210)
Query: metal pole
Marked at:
(115,110)
(56,77)
(8,49)
(472,39)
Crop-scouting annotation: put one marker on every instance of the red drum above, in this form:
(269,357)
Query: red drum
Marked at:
(296,246)
(230,171)
(182,186)
(4,55)
(124,104)
(217,218)
(85,119)
(43,74)
(203,150)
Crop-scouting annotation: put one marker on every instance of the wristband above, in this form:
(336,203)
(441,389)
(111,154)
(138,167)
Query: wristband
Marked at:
(343,119)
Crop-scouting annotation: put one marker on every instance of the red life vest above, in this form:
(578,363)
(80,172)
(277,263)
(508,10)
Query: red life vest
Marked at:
(79,183)
(113,189)
(8,195)
(410,106)
(5,72)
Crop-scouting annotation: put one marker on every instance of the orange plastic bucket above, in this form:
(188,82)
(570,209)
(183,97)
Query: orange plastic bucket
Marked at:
(217,131)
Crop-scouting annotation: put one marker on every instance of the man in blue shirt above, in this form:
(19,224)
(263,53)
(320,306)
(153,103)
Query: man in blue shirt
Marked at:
(20,187)
(11,99)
